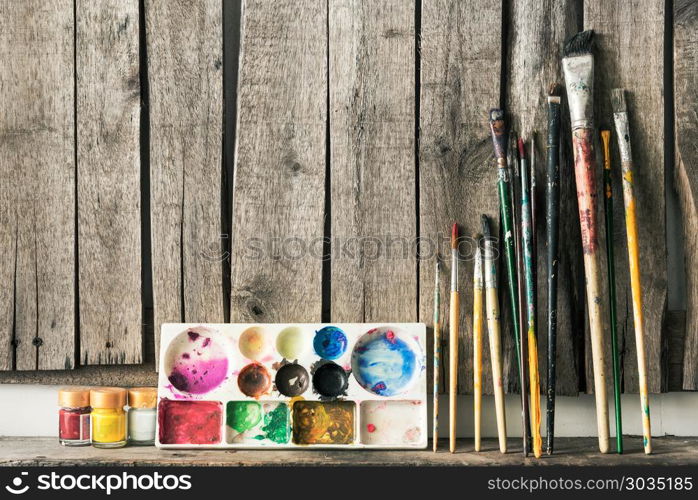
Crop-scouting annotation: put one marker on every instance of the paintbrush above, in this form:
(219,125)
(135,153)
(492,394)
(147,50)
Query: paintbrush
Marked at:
(578,66)
(552,212)
(437,351)
(499,139)
(620,117)
(494,332)
(608,210)
(453,345)
(527,244)
(478,293)
(519,165)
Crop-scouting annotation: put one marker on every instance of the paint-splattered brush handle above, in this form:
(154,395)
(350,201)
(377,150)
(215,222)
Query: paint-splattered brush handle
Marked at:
(527,243)
(608,209)
(437,354)
(478,292)
(623,134)
(494,333)
(499,139)
(585,171)
(552,210)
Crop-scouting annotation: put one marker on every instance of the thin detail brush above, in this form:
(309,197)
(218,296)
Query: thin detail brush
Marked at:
(608,210)
(552,211)
(453,344)
(494,332)
(620,117)
(478,292)
(437,351)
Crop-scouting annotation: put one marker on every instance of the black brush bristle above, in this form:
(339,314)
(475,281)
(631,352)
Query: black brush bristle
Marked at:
(496,114)
(554,89)
(580,44)
(485,226)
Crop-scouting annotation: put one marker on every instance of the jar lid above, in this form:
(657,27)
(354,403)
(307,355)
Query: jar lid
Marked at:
(108,397)
(74,397)
(142,397)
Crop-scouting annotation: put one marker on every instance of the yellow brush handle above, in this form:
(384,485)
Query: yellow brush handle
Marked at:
(477,361)
(495,337)
(534,382)
(636,286)
(437,356)
(454,314)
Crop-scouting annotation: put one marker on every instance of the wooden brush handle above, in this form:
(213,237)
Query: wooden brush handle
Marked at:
(437,363)
(623,133)
(495,338)
(477,348)
(453,369)
(585,171)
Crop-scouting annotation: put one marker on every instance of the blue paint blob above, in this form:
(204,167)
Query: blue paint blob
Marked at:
(383,363)
(330,342)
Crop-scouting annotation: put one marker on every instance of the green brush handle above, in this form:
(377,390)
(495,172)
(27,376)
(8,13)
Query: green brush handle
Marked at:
(608,209)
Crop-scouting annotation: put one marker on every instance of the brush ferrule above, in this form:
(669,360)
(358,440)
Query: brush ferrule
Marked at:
(477,275)
(579,81)
(490,274)
(623,133)
(454,269)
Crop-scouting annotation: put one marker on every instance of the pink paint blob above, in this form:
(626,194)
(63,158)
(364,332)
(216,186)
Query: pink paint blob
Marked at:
(198,376)
(371,428)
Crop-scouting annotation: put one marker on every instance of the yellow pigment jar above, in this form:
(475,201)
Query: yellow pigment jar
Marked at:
(108,417)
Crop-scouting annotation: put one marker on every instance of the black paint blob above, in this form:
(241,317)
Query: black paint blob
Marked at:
(330,380)
(292,380)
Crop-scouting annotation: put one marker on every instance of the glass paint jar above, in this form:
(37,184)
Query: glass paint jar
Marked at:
(141,415)
(74,416)
(108,417)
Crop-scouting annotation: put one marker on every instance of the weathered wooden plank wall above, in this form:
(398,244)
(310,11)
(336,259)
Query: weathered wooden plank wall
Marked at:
(685,53)
(536,35)
(108,182)
(372,159)
(279,187)
(360,121)
(630,42)
(185,82)
(37,198)
(460,70)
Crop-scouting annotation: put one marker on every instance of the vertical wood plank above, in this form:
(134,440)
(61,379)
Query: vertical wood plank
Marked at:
(185,68)
(372,154)
(108,166)
(279,193)
(630,42)
(37,199)
(460,75)
(686,130)
(537,32)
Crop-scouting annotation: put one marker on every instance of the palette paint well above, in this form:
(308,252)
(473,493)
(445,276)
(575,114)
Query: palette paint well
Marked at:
(254,380)
(389,422)
(316,422)
(385,362)
(292,380)
(189,422)
(196,362)
(255,422)
(330,342)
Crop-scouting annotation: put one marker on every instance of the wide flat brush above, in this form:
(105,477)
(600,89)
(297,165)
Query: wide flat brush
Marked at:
(578,67)
(552,213)
(527,243)
(620,117)
(494,332)
(499,140)
(608,210)
(437,351)
(478,292)
(454,313)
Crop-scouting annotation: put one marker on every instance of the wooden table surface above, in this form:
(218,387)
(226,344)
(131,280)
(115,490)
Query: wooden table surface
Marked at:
(26,451)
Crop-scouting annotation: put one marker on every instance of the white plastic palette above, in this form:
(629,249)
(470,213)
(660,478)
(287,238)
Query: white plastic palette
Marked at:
(292,386)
